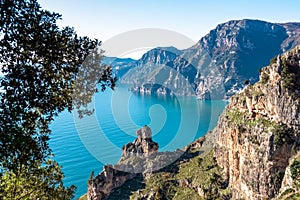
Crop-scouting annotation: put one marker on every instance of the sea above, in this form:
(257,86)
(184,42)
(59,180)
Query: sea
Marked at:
(83,145)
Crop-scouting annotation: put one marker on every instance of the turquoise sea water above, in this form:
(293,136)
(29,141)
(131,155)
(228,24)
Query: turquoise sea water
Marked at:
(85,145)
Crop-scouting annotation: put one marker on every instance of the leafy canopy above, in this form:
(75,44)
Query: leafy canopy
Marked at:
(44,70)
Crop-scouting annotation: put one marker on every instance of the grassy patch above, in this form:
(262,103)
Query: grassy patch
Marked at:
(282,133)
(199,173)
(204,173)
(185,193)
(242,119)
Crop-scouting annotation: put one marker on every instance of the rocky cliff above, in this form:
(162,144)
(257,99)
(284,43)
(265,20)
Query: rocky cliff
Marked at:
(114,176)
(253,153)
(138,159)
(218,65)
(258,134)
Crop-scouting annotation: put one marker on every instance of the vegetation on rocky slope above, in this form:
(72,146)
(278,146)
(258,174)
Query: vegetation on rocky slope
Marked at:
(258,134)
(253,153)
(196,178)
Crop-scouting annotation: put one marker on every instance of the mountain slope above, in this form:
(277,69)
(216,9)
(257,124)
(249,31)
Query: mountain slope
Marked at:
(256,145)
(120,65)
(259,133)
(253,153)
(218,65)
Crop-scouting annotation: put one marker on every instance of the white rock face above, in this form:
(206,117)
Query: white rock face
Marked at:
(259,133)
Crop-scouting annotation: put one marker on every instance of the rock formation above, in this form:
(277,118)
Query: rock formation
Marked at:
(114,176)
(253,153)
(109,179)
(258,133)
(217,66)
(142,146)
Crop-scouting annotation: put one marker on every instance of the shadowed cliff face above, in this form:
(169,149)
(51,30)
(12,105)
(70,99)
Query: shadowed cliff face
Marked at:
(259,131)
(217,66)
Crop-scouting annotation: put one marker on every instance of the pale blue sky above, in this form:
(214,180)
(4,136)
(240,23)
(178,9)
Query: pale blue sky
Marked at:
(104,19)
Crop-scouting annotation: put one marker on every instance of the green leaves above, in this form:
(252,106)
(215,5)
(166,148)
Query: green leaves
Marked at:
(295,172)
(45,71)
(35,182)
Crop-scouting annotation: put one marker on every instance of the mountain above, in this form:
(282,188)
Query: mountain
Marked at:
(218,65)
(253,153)
(120,65)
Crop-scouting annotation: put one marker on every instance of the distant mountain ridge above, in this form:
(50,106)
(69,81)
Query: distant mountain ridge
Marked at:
(217,66)
(253,152)
(120,65)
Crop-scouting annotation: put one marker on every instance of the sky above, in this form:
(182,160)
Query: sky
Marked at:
(106,19)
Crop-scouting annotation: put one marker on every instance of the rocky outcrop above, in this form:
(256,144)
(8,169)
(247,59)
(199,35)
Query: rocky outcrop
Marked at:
(258,133)
(218,65)
(133,156)
(256,148)
(142,146)
(109,179)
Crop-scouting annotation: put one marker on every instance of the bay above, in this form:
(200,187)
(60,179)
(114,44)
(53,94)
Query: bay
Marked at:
(85,145)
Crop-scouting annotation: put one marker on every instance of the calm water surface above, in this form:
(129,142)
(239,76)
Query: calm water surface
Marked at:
(85,145)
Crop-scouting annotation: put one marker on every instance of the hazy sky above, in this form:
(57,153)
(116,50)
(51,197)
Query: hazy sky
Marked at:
(104,19)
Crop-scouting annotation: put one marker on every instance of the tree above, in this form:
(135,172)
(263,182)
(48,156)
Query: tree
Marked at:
(45,70)
(36,182)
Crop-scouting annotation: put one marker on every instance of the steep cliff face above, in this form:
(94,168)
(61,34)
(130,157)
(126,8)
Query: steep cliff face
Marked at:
(258,133)
(162,71)
(217,66)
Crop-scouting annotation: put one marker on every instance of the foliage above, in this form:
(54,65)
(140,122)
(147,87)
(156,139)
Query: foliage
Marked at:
(295,172)
(291,75)
(241,119)
(35,182)
(264,78)
(236,117)
(206,174)
(199,172)
(277,179)
(273,60)
(45,70)
(289,194)
(287,191)
(282,134)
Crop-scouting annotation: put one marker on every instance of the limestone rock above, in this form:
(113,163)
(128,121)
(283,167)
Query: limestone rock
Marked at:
(258,132)
(108,180)
(134,160)
(143,145)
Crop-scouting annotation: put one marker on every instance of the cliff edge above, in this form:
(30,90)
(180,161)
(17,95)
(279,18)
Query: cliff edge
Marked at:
(258,133)
(253,153)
